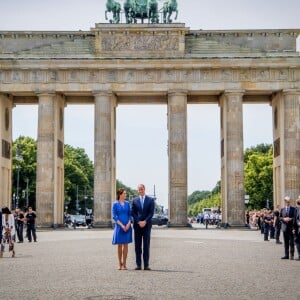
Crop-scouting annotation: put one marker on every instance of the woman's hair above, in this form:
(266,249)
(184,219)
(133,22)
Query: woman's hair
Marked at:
(120,191)
(5,210)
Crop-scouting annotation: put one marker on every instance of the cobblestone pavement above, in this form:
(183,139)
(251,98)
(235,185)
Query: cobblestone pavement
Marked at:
(186,264)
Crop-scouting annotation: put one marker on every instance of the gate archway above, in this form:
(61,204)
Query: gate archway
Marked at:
(169,64)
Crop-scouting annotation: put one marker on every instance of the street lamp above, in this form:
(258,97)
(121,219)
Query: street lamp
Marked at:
(27,200)
(19,157)
(85,198)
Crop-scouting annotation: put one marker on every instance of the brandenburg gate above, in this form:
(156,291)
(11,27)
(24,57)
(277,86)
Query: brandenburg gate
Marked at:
(114,64)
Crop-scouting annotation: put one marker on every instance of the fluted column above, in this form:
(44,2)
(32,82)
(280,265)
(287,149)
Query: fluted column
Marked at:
(286,135)
(6,150)
(104,176)
(232,158)
(177,150)
(50,164)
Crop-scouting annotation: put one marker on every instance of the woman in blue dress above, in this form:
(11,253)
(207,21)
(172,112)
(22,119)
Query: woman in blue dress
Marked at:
(122,235)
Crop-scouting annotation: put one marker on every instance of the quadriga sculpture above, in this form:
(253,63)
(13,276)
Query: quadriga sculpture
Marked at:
(153,11)
(169,7)
(129,10)
(115,8)
(141,9)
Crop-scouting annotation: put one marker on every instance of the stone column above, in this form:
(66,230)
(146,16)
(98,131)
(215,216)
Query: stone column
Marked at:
(50,163)
(6,150)
(104,176)
(232,159)
(286,135)
(177,150)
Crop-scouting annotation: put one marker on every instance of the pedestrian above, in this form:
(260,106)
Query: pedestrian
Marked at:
(277,224)
(287,214)
(272,228)
(1,227)
(8,231)
(297,228)
(30,221)
(20,224)
(122,236)
(267,220)
(142,213)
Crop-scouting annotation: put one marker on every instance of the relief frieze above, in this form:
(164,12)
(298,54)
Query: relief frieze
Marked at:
(206,75)
(169,75)
(262,75)
(37,76)
(121,42)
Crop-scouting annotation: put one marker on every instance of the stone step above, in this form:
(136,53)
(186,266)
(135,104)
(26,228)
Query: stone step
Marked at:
(72,47)
(205,46)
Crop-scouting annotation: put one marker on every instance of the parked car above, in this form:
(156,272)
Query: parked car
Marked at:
(78,220)
(159,220)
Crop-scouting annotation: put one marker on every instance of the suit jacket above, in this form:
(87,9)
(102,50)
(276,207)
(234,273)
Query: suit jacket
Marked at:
(297,220)
(287,226)
(142,214)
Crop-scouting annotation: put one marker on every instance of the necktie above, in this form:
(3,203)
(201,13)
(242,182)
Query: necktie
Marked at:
(287,211)
(142,202)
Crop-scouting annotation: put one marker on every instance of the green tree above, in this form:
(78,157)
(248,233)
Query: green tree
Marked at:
(24,151)
(79,178)
(198,196)
(213,201)
(258,170)
(130,192)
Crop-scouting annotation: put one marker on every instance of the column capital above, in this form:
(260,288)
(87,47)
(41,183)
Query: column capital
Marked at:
(7,96)
(291,92)
(234,92)
(45,93)
(103,93)
(179,92)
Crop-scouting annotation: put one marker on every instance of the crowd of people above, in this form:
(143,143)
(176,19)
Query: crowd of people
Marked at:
(209,218)
(12,228)
(285,220)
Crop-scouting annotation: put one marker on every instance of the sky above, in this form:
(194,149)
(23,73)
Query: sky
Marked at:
(142,135)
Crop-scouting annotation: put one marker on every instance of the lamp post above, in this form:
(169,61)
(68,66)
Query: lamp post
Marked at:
(85,198)
(19,157)
(27,199)
(77,200)
(14,201)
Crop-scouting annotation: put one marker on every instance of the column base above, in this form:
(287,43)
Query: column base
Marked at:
(239,226)
(173,225)
(49,226)
(103,225)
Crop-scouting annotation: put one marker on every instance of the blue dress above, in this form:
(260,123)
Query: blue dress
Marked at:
(122,213)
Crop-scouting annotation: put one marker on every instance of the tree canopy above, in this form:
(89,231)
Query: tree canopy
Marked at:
(258,170)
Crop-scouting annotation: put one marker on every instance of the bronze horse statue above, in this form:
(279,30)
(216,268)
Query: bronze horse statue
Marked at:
(169,7)
(141,9)
(153,11)
(115,8)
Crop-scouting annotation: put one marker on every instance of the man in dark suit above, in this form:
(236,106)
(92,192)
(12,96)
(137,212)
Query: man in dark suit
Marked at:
(142,213)
(297,228)
(287,214)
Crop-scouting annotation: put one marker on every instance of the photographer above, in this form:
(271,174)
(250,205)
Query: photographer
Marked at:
(277,224)
(30,220)
(20,224)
